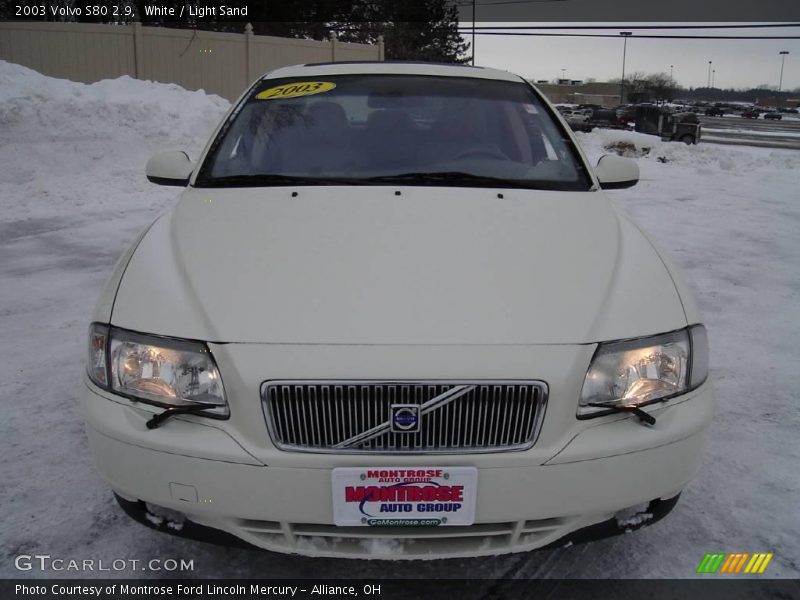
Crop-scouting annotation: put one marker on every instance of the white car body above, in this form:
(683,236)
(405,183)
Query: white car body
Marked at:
(355,283)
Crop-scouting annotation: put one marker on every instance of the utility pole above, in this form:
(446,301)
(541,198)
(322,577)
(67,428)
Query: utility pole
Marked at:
(783,54)
(625,35)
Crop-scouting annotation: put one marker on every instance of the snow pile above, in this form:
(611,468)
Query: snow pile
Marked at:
(701,157)
(68,146)
(44,108)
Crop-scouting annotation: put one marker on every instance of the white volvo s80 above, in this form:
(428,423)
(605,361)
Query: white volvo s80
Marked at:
(394,303)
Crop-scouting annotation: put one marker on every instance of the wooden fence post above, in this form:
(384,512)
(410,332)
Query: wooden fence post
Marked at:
(138,50)
(334,42)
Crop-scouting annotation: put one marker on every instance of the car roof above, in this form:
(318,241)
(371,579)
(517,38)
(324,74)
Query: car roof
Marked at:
(391,68)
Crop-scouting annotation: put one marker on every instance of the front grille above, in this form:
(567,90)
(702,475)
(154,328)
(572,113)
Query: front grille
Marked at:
(354,416)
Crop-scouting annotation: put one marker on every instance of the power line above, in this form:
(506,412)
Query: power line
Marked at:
(469,3)
(657,37)
(628,26)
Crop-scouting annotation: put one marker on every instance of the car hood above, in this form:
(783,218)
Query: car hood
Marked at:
(385,265)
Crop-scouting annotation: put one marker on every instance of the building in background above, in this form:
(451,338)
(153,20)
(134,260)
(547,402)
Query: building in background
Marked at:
(577,92)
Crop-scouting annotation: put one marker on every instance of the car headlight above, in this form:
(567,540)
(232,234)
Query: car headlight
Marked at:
(637,372)
(157,370)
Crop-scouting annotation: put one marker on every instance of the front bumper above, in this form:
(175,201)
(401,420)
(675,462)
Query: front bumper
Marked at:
(526,500)
(139,511)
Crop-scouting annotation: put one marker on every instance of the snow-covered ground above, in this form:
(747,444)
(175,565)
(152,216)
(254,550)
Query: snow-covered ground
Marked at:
(73,195)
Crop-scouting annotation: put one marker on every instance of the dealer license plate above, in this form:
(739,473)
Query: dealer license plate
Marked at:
(404,496)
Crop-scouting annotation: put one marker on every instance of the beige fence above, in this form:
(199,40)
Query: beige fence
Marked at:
(219,63)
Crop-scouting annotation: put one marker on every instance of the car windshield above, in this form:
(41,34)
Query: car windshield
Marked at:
(383,129)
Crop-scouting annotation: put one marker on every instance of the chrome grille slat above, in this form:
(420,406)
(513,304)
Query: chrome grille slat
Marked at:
(290,416)
(339,392)
(518,427)
(326,419)
(313,407)
(502,432)
(509,436)
(301,414)
(480,432)
(524,425)
(351,427)
(468,420)
(521,431)
(334,416)
(457,424)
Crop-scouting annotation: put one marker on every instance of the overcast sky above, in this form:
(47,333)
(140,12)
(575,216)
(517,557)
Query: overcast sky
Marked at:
(738,63)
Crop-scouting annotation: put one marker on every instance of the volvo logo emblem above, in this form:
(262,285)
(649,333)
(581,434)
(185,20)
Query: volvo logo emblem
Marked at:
(405,418)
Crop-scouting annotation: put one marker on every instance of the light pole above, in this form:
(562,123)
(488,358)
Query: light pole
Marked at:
(625,35)
(783,54)
(563,76)
(670,72)
(713,74)
(708,81)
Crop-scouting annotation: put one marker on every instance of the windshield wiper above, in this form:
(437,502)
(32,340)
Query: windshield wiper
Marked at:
(444,177)
(271,179)
(189,409)
(638,412)
(424,178)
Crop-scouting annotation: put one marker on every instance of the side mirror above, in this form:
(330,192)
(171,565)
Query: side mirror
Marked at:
(169,168)
(614,172)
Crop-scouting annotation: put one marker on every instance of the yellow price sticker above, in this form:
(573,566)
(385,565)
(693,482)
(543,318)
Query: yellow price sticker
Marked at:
(295,90)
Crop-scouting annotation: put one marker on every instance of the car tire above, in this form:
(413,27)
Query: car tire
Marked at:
(687,139)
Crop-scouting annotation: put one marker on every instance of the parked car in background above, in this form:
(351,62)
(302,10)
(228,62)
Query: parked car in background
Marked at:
(578,120)
(773,116)
(395,308)
(562,108)
(715,111)
(750,113)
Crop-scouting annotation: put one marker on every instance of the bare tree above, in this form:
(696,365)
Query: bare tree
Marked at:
(648,86)
(660,86)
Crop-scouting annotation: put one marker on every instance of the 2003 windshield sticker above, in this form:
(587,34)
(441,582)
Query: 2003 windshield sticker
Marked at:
(296,90)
